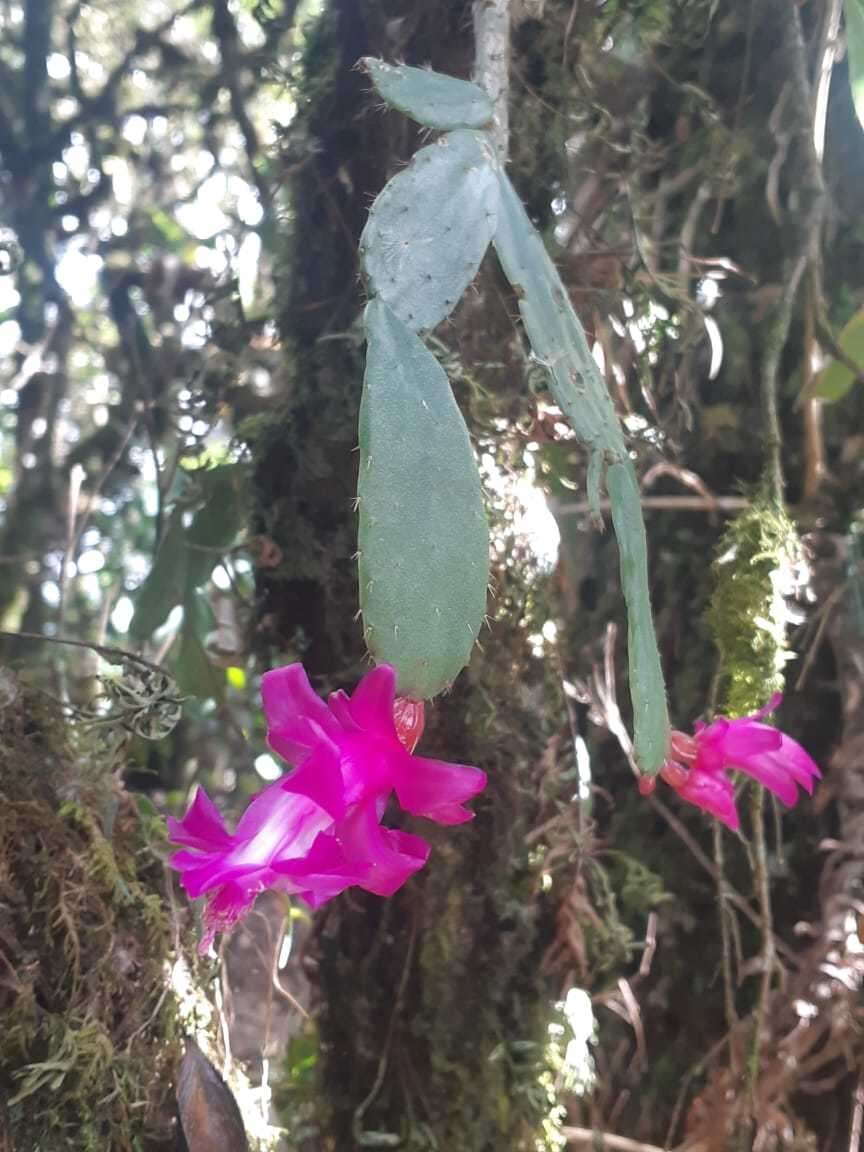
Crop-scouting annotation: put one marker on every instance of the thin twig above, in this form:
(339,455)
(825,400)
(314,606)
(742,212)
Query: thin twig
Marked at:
(734,897)
(825,60)
(364,1105)
(492,63)
(592,1139)
(727,504)
(106,650)
(763,893)
(724,912)
(857,1119)
(77,526)
(571,19)
(274,975)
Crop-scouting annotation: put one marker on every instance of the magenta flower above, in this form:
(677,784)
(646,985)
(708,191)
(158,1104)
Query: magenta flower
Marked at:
(698,766)
(359,735)
(318,830)
(278,844)
(286,842)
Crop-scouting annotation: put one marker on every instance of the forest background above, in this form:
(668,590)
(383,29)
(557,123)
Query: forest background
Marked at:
(182,190)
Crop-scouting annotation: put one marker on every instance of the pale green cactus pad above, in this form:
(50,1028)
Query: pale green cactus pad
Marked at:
(434,100)
(423,537)
(430,228)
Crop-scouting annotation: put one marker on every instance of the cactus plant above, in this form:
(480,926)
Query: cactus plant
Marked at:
(423,540)
(430,98)
(429,229)
(420,550)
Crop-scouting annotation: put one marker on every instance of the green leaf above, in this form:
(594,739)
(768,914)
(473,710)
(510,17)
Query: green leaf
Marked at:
(165,585)
(170,234)
(217,523)
(836,379)
(186,558)
(423,537)
(194,673)
(430,98)
(429,229)
(855,52)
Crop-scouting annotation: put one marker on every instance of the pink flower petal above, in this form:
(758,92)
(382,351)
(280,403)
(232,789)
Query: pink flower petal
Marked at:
(391,857)
(789,761)
(771,774)
(371,702)
(196,872)
(712,794)
(710,742)
(772,706)
(436,789)
(802,766)
(290,703)
(744,738)
(278,823)
(201,827)
(320,779)
(324,872)
(340,706)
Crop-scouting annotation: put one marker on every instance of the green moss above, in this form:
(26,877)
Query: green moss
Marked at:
(88,1038)
(755,565)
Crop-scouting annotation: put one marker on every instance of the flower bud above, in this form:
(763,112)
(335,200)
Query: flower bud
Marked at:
(410,719)
(674,774)
(683,747)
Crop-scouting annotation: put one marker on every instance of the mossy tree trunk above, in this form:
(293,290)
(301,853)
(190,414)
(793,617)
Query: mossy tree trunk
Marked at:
(421,996)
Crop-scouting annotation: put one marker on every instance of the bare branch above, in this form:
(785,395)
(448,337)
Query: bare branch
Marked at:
(492,62)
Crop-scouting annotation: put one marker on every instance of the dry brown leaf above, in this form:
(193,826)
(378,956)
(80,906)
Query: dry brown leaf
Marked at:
(209,1116)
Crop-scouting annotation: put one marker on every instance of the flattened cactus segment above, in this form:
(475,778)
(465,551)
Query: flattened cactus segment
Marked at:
(557,338)
(558,341)
(423,537)
(434,100)
(429,229)
(647,690)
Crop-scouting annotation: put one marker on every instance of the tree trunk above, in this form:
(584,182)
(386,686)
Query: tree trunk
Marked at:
(431,1026)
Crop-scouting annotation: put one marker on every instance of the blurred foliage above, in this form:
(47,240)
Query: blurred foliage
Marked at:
(838,376)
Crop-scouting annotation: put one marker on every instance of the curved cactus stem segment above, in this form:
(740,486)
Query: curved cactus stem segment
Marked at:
(429,229)
(423,537)
(434,100)
(647,691)
(558,340)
